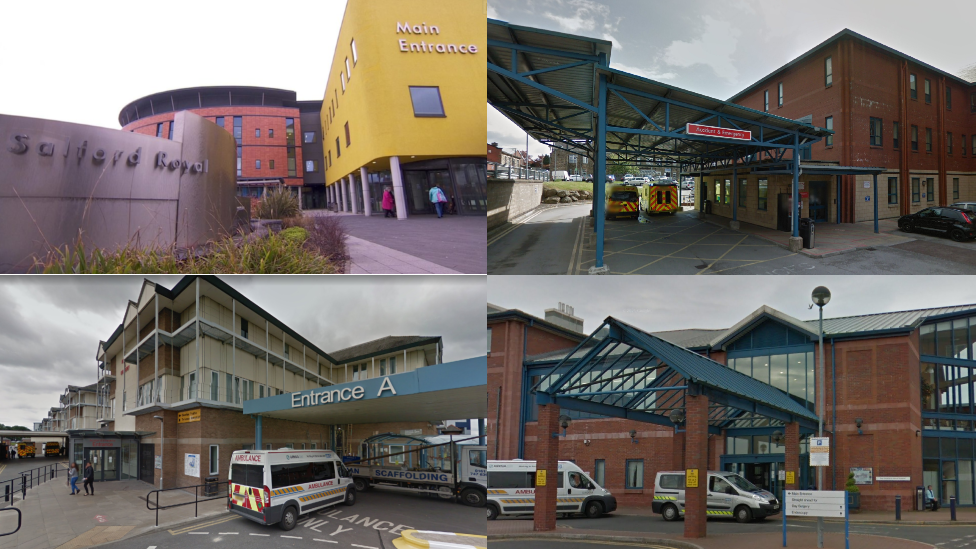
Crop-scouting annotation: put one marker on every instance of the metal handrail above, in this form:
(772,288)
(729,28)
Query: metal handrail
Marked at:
(195,501)
(19,519)
(28,479)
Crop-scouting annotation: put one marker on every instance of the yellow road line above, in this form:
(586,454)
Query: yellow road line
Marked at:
(676,251)
(203,525)
(577,244)
(516,226)
(712,264)
(755,263)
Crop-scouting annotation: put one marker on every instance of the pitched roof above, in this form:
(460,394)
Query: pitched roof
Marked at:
(380,346)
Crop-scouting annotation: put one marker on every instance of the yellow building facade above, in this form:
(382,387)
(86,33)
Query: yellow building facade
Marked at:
(403,109)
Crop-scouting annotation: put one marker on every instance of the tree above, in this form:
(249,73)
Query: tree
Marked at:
(545,160)
(622,169)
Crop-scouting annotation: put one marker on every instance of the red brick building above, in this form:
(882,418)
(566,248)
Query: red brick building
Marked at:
(494,153)
(902,416)
(888,110)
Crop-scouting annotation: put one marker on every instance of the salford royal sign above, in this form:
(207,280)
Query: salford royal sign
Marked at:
(713,131)
(326,396)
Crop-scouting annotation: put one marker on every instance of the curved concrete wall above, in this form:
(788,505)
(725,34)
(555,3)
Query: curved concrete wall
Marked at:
(115,187)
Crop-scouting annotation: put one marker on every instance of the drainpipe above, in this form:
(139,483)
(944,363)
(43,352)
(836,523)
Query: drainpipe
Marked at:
(833,422)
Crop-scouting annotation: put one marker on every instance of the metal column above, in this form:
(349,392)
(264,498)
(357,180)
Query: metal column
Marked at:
(257,433)
(796,187)
(155,387)
(600,170)
(196,344)
(876,203)
(735,190)
(233,335)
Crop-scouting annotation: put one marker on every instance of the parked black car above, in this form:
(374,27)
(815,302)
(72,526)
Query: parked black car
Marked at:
(955,222)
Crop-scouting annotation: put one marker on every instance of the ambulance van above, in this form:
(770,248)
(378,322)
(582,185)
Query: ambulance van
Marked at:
(511,490)
(278,486)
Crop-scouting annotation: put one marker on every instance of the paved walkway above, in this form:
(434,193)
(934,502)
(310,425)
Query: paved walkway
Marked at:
(365,257)
(829,238)
(455,242)
(53,518)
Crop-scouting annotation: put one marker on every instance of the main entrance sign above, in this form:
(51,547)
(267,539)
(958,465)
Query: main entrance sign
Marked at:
(326,396)
(713,131)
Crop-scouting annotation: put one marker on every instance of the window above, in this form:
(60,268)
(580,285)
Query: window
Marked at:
(392,365)
(829,124)
(763,193)
(303,446)
(875,132)
(215,458)
(742,192)
(311,166)
(973,137)
(214,385)
(955,188)
(347,134)
(930,189)
(315,447)
(913,86)
(718,191)
(670,482)
(248,475)
(963,148)
(292,169)
(599,471)
(266,447)
(928,139)
(257,132)
(426,101)
(343,79)
(238,161)
(159,129)
(512,479)
(237,129)
(355,57)
(338,149)
(727,197)
(780,94)
(220,121)
(949,143)
(308,137)
(286,351)
(894,134)
(348,70)
(892,190)
(914,137)
(828,72)
(948,98)
(635,474)
(766,100)
(290,132)
(383,361)
(171,124)
(244,328)
(916,192)
(928,91)
(270,133)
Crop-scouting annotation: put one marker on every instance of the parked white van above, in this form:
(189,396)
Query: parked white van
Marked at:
(511,490)
(560,175)
(729,495)
(278,486)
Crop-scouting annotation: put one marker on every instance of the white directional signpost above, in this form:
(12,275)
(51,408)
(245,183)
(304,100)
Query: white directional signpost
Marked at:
(820,503)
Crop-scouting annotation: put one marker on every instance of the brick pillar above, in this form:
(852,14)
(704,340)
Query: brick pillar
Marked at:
(678,451)
(793,454)
(696,457)
(547,458)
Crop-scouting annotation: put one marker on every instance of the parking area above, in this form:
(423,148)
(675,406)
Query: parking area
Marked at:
(377,518)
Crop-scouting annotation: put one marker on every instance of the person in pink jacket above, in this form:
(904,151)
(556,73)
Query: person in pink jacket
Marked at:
(388,202)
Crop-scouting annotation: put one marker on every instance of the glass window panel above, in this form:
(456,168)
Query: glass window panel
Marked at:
(777,372)
(965,483)
(960,339)
(927,336)
(760,368)
(965,446)
(598,471)
(930,447)
(928,423)
(945,425)
(797,371)
(948,480)
(744,365)
(635,473)
(948,446)
(930,474)
(944,339)
(972,337)
(777,448)
(426,101)
(928,387)
(760,444)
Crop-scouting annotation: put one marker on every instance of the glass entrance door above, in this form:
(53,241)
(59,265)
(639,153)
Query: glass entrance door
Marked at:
(105,462)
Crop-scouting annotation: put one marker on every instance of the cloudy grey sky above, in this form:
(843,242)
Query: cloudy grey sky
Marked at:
(83,61)
(718,47)
(673,303)
(50,327)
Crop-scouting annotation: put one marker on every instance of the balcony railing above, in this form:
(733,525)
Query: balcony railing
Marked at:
(497,171)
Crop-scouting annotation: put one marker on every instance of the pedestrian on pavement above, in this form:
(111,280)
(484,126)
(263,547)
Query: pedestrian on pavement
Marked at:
(930,498)
(438,199)
(388,203)
(89,478)
(73,477)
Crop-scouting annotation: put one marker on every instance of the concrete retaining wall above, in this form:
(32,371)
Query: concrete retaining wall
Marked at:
(508,199)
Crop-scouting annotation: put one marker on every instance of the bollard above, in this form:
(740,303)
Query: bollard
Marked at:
(952,508)
(6,492)
(897,507)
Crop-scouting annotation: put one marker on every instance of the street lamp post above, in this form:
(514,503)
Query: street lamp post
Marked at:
(821,296)
(160,418)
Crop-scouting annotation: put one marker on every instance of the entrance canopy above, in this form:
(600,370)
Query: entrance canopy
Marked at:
(632,374)
(560,89)
(452,390)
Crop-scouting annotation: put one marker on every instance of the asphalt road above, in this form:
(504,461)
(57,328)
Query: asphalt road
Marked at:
(11,468)
(550,242)
(373,522)
(942,536)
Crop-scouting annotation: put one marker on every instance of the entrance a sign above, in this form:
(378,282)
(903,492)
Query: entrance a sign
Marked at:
(819,452)
(713,131)
(540,477)
(691,478)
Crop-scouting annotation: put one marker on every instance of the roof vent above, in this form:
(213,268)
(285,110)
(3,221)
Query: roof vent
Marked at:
(563,316)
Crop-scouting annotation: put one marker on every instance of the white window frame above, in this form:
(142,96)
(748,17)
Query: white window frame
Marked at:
(348,69)
(355,56)
(214,463)
(342,75)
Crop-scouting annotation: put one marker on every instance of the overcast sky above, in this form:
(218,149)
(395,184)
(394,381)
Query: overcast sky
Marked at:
(679,302)
(83,61)
(50,327)
(718,47)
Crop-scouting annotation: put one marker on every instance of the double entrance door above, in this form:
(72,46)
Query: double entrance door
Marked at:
(418,185)
(105,461)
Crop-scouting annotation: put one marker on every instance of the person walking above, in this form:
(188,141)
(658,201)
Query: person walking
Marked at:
(388,203)
(89,478)
(438,199)
(73,478)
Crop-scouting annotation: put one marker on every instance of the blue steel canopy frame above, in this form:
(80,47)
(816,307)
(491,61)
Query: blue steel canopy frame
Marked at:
(560,89)
(632,374)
